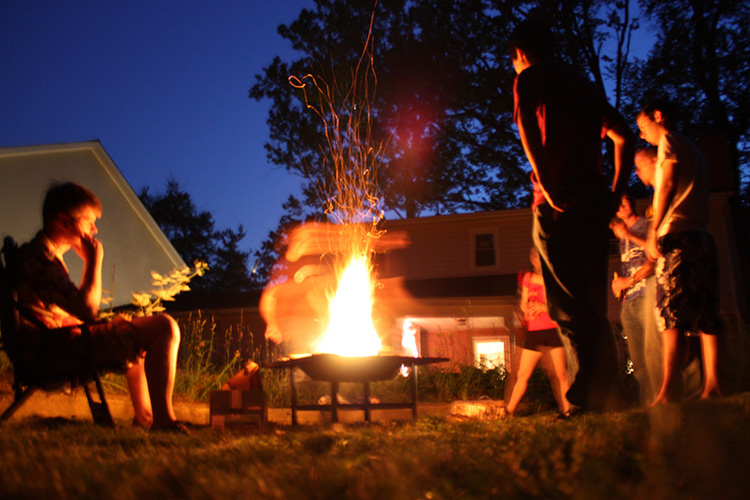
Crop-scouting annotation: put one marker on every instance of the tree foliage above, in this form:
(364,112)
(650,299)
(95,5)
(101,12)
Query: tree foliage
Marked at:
(192,232)
(439,91)
(425,70)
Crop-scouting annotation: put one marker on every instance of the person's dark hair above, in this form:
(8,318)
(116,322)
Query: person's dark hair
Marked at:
(533,37)
(67,198)
(667,109)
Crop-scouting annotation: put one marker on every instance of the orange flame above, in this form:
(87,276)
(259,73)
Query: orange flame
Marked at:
(350,329)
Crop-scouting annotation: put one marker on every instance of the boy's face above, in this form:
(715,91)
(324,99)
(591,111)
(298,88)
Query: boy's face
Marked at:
(83,222)
(650,130)
(625,210)
(644,169)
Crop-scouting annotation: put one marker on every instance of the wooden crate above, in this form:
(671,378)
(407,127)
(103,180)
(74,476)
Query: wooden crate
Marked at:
(238,408)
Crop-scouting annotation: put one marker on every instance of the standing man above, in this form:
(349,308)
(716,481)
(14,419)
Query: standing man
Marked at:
(561,119)
(637,313)
(687,271)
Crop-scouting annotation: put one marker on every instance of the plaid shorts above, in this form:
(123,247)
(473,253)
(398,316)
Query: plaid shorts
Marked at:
(687,283)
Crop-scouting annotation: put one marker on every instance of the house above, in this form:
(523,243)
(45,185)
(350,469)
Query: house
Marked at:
(461,271)
(133,243)
(455,285)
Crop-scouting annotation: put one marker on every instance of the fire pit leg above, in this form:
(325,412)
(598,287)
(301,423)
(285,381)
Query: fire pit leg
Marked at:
(334,402)
(293,387)
(367,402)
(415,371)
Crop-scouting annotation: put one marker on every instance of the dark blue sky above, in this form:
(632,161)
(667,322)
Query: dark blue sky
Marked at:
(162,84)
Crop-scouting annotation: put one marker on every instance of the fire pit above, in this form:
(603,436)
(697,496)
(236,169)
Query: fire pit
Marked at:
(335,369)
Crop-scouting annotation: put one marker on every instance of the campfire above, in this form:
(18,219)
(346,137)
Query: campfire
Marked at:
(338,289)
(321,306)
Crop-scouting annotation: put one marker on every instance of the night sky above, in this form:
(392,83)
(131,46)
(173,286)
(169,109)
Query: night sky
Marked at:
(162,84)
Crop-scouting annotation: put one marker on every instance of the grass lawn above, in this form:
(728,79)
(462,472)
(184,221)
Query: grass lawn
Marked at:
(698,449)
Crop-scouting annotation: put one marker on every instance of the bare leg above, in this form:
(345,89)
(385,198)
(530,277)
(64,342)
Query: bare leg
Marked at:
(138,387)
(560,365)
(159,336)
(674,351)
(549,368)
(526,365)
(710,350)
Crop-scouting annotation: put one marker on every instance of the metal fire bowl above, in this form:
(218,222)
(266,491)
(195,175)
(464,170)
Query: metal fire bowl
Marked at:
(335,368)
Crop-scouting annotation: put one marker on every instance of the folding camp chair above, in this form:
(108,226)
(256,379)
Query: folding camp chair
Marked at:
(30,373)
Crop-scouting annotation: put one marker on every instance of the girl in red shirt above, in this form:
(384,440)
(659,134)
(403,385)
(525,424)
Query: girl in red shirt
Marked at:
(543,336)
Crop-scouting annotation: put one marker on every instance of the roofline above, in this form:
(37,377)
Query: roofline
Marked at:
(510,213)
(60,146)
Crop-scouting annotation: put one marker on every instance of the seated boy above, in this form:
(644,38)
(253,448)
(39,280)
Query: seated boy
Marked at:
(147,346)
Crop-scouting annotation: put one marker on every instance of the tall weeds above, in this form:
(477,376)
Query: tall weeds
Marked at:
(206,360)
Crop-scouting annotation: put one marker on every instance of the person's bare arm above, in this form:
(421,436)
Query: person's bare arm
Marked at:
(91,252)
(524,305)
(622,232)
(646,270)
(624,152)
(531,139)
(664,186)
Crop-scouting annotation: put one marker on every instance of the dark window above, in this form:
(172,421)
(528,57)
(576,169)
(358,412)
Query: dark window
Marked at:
(485,250)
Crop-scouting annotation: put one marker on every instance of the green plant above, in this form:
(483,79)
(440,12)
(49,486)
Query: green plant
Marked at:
(201,368)
(202,365)
(276,387)
(177,281)
(460,382)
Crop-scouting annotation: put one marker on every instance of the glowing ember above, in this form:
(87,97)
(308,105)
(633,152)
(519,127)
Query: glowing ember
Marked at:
(346,187)
(350,330)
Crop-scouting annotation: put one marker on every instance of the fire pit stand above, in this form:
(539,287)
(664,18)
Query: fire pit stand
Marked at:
(336,369)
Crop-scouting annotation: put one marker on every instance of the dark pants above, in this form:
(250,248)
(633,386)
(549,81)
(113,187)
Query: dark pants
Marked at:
(573,249)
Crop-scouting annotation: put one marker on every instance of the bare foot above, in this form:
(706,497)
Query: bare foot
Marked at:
(712,392)
(660,400)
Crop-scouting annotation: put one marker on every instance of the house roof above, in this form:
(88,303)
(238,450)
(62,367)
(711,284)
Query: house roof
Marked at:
(133,243)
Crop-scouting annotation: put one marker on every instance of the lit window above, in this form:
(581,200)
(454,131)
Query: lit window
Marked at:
(489,354)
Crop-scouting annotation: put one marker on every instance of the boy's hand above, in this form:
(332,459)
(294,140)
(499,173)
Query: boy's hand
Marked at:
(89,249)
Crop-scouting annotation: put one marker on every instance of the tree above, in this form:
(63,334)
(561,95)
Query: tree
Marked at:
(191,232)
(440,93)
(431,65)
(194,236)
(701,60)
